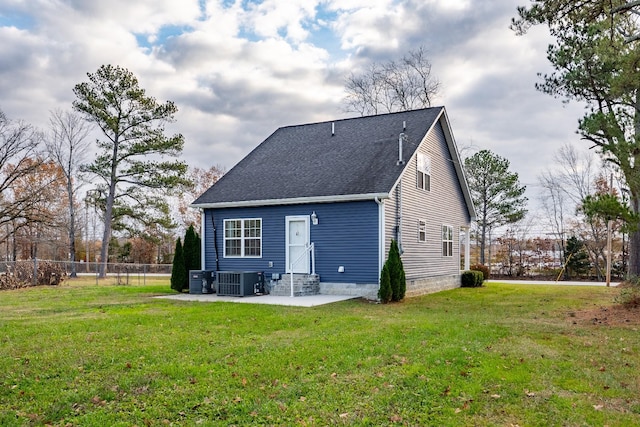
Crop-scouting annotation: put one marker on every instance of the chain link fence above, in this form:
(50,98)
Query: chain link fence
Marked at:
(14,274)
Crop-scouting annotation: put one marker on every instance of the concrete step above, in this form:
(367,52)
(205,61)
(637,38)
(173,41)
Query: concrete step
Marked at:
(303,285)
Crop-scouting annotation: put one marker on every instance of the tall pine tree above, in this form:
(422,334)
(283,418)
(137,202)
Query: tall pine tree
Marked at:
(496,192)
(133,170)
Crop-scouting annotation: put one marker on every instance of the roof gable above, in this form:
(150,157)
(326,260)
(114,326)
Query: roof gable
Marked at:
(309,162)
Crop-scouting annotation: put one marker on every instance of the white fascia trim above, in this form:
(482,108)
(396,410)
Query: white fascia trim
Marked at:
(458,164)
(293,201)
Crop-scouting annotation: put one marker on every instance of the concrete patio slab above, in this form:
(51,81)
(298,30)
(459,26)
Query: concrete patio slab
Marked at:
(305,301)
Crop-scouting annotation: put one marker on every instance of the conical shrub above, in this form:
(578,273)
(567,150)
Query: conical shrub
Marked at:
(396,273)
(384,293)
(179,275)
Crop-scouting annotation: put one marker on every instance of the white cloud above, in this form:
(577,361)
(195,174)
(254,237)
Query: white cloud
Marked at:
(273,18)
(139,16)
(239,69)
(376,25)
(453,6)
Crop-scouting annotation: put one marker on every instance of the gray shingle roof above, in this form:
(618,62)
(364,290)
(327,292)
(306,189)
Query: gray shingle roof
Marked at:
(307,161)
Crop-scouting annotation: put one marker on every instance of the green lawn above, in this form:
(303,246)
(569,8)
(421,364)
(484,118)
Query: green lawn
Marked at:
(502,355)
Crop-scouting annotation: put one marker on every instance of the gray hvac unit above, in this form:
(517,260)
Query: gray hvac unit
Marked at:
(208,281)
(195,281)
(201,281)
(240,283)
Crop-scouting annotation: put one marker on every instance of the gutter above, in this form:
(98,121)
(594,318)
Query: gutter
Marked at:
(293,201)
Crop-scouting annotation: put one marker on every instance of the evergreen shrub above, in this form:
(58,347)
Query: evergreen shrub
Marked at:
(384,293)
(396,273)
(191,250)
(179,275)
(472,279)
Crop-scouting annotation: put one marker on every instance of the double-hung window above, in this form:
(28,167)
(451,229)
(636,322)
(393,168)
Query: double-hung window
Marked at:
(422,231)
(447,240)
(243,238)
(424,171)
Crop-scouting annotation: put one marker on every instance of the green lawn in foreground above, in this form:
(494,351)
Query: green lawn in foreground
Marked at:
(502,355)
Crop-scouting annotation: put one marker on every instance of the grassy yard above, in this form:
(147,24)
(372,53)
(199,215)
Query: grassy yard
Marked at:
(502,355)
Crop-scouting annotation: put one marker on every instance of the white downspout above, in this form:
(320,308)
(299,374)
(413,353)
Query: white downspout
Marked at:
(467,250)
(291,277)
(381,233)
(399,216)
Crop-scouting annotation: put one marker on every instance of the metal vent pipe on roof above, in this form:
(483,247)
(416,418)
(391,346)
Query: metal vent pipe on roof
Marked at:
(400,139)
(333,128)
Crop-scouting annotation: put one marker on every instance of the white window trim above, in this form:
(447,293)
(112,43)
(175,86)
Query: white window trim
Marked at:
(443,241)
(422,230)
(422,169)
(242,238)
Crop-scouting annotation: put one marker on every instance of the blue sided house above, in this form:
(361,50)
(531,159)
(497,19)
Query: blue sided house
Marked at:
(315,206)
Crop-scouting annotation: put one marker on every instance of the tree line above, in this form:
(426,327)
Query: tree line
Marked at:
(594,55)
(136,167)
(51,179)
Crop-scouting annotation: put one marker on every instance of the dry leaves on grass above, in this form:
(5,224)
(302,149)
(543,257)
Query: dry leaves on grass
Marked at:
(615,315)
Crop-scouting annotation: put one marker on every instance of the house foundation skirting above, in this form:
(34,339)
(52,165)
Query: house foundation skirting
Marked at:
(429,285)
(368,291)
(415,287)
(311,285)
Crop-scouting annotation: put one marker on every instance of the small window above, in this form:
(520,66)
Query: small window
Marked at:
(424,171)
(243,238)
(422,231)
(447,240)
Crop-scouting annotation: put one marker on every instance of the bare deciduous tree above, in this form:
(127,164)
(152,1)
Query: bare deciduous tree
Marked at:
(566,185)
(513,249)
(555,205)
(67,146)
(200,180)
(577,172)
(41,224)
(574,177)
(19,158)
(391,86)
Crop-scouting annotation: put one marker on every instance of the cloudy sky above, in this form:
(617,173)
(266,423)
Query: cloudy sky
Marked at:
(239,69)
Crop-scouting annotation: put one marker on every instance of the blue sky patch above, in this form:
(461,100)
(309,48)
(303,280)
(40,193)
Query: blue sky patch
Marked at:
(320,32)
(161,37)
(18,20)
